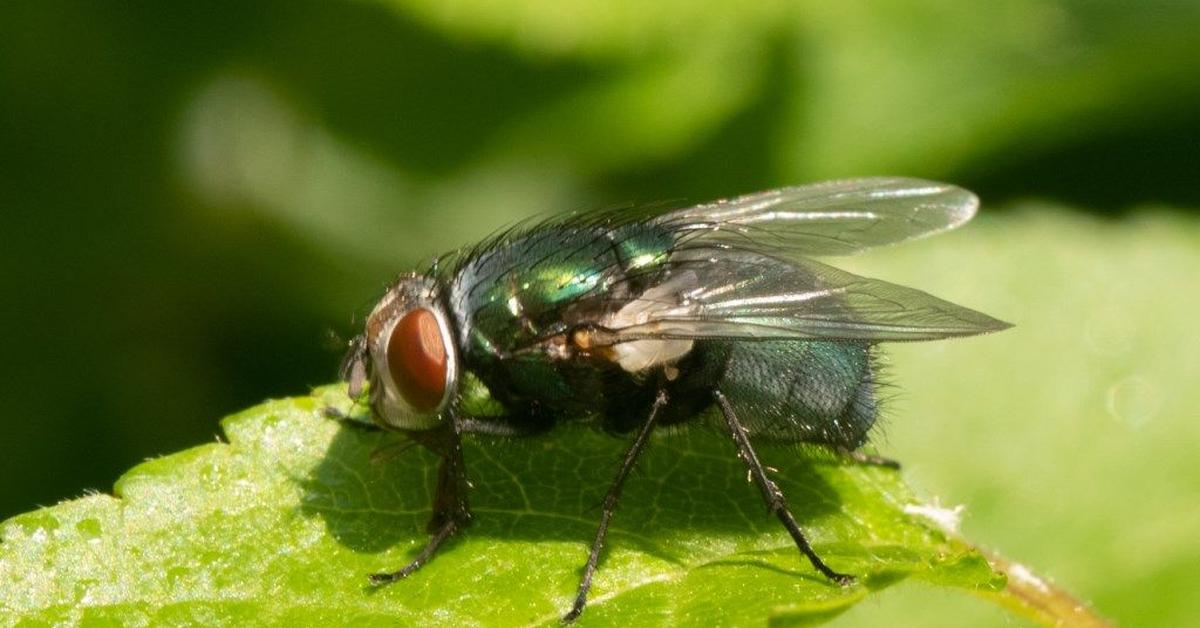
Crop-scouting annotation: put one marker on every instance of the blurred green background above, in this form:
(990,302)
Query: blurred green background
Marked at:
(198,199)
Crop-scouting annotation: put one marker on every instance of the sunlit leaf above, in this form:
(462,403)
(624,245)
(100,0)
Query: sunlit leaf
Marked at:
(283,523)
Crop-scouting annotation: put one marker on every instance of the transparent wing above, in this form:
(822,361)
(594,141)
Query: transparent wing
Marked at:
(832,218)
(716,293)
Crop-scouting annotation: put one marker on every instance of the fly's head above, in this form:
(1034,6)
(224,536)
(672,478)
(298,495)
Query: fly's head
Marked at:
(408,353)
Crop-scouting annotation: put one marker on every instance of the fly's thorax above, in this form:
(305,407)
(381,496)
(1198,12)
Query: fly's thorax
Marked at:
(409,352)
(593,338)
(517,292)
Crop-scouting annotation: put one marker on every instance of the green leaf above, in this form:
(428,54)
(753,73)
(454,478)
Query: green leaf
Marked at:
(283,522)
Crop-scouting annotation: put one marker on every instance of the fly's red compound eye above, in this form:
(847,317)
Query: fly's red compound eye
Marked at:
(416,357)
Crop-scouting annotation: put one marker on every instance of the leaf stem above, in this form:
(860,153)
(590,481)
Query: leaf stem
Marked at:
(1038,599)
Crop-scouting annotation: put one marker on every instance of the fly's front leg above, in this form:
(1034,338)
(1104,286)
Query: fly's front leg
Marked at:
(348,419)
(451,512)
(770,491)
(447,529)
(610,506)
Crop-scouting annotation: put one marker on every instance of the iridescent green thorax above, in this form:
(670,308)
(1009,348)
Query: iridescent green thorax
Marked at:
(518,290)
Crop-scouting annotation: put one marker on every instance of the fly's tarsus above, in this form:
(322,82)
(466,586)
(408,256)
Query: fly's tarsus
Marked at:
(448,529)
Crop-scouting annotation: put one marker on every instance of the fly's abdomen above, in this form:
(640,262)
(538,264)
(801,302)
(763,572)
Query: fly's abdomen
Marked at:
(798,391)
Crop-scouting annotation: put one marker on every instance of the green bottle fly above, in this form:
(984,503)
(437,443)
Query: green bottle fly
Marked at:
(637,319)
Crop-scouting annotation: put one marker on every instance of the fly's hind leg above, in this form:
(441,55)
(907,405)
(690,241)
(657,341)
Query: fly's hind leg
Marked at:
(770,491)
(451,512)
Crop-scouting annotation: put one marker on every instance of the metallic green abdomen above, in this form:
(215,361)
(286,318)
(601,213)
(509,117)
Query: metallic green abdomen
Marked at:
(813,392)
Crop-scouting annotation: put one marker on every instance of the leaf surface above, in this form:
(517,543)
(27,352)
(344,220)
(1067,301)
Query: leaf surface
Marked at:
(283,522)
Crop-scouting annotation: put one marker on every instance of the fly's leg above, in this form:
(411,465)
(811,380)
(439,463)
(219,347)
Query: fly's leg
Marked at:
(868,459)
(451,512)
(383,453)
(770,491)
(468,425)
(345,418)
(610,505)
(447,530)
(391,451)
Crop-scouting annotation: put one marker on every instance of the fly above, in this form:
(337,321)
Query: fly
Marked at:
(640,319)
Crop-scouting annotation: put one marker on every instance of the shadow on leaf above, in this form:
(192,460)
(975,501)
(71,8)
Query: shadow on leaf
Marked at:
(688,485)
